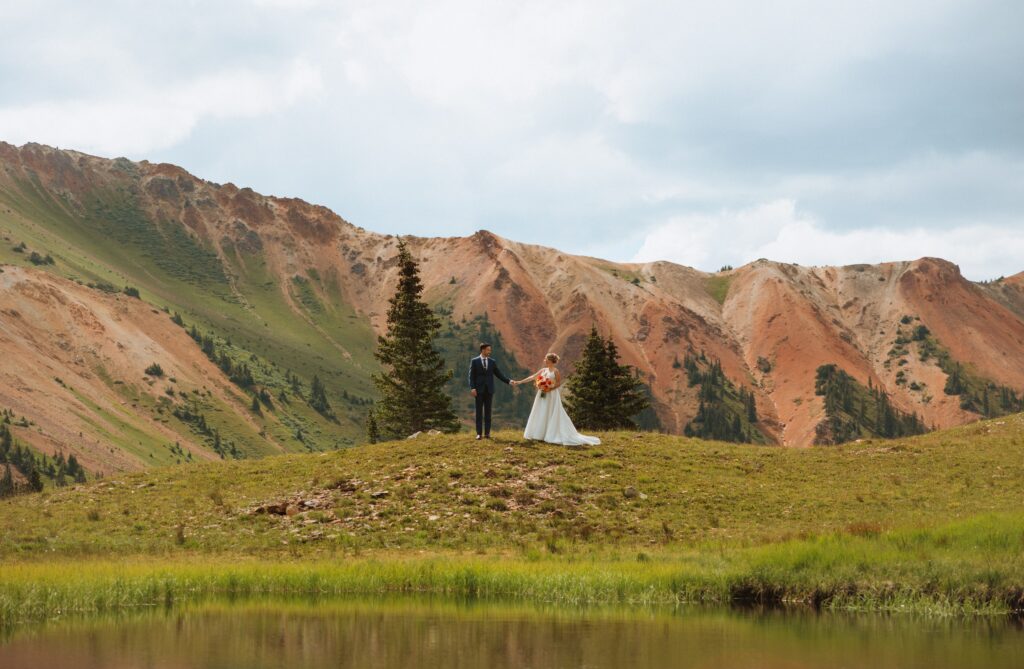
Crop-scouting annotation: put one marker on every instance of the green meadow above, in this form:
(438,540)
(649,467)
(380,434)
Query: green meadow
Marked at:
(931,524)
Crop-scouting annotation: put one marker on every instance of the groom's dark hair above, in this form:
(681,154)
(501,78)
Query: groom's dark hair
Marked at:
(483,346)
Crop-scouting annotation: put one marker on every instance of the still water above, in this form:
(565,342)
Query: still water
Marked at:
(428,634)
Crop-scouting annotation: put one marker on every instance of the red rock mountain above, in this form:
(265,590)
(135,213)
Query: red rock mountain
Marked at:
(255,266)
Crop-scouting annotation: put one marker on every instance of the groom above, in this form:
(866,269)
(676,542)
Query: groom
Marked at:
(482,371)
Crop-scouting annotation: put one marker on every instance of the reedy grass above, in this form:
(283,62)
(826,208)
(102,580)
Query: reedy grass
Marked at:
(969,568)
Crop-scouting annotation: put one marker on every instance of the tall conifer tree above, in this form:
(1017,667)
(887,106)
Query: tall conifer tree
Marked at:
(604,395)
(412,384)
(588,395)
(7,482)
(626,396)
(318,397)
(372,433)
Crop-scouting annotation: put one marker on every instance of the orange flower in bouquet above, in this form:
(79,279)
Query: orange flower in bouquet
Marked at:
(544,384)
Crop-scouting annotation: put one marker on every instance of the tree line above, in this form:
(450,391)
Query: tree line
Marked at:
(852,411)
(976,393)
(724,412)
(15,457)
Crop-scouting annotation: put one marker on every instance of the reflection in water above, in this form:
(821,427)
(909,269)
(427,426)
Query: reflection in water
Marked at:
(408,634)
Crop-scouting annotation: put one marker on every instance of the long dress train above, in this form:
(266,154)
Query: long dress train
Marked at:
(549,422)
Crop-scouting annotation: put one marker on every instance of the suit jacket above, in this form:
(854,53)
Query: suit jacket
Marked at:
(483,379)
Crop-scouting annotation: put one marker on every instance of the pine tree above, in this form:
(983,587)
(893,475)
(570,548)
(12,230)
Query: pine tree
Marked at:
(7,482)
(256,405)
(751,407)
(588,395)
(35,481)
(75,469)
(6,442)
(412,384)
(372,432)
(604,395)
(626,397)
(318,397)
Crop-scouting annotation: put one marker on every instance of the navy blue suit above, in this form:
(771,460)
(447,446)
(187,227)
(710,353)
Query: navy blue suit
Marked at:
(481,379)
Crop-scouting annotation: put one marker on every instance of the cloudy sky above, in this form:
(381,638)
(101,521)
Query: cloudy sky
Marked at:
(707,133)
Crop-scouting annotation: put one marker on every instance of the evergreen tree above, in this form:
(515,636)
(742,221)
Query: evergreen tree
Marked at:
(7,482)
(750,403)
(318,397)
(256,405)
(588,394)
(412,384)
(604,394)
(626,396)
(75,469)
(35,481)
(372,432)
(6,442)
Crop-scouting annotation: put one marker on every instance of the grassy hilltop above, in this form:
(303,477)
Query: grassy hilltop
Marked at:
(451,492)
(933,522)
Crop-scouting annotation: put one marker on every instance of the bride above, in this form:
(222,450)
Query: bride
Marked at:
(548,420)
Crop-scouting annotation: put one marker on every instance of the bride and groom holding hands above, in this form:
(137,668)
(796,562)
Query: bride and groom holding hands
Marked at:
(548,419)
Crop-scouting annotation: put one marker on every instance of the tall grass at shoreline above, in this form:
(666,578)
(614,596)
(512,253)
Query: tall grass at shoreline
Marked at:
(969,568)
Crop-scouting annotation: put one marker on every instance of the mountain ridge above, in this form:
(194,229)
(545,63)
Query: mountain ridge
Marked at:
(302,289)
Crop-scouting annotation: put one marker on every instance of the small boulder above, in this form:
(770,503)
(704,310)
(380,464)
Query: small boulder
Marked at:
(629,492)
(344,485)
(275,509)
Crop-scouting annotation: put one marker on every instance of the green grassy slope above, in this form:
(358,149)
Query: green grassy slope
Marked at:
(108,240)
(932,524)
(451,492)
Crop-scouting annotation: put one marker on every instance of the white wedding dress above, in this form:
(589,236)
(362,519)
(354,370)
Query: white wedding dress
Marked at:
(549,422)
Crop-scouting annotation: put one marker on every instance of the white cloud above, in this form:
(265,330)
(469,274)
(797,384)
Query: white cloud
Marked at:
(778,231)
(288,4)
(570,124)
(156,116)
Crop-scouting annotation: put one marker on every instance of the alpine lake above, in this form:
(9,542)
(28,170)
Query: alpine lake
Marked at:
(404,632)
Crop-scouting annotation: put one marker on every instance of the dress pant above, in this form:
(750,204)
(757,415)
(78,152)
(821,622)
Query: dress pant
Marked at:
(483,411)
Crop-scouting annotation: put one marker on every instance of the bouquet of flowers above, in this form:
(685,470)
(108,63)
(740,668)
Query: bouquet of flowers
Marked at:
(544,383)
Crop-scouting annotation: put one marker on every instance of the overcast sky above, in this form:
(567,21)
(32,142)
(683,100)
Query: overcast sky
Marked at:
(707,133)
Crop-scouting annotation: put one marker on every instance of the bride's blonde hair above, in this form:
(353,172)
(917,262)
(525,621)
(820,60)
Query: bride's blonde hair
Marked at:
(552,358)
